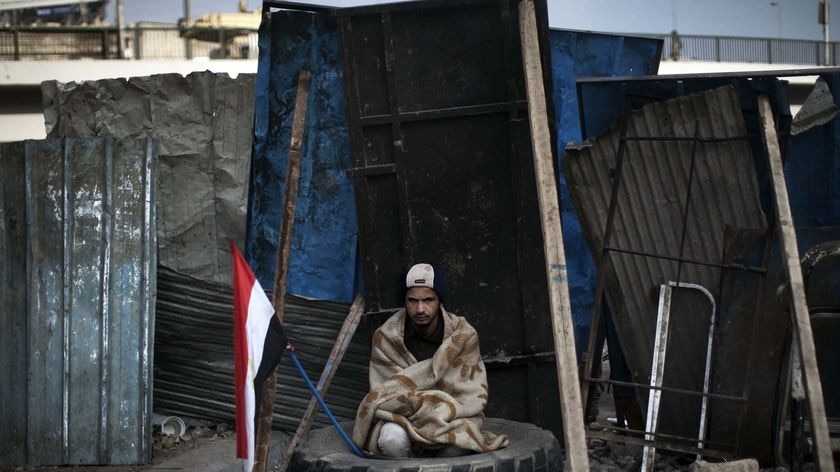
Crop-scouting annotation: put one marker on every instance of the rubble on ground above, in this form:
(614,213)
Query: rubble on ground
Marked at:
(606,456)
(164,445)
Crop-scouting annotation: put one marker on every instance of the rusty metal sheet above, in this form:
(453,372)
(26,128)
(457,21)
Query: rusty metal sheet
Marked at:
(194,354)
(649,215)
(78,246)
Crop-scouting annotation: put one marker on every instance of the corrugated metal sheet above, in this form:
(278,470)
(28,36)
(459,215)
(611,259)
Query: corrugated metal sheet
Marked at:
(649,217)
(77,258)
(194,353)
(203,124)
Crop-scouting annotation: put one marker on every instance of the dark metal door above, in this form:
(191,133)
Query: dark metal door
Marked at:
(444,174)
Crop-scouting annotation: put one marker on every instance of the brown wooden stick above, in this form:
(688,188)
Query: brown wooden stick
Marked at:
(281,270)
(799,304)
(342,342)
(555,258)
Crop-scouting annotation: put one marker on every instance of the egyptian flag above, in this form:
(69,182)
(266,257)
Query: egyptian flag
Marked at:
(258,345)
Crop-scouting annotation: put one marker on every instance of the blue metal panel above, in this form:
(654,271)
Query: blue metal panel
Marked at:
(579,54)
(80,214)
(323,256)
(812,169)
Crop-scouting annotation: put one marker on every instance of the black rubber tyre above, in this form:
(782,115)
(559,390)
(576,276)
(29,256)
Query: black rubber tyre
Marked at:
(531,449)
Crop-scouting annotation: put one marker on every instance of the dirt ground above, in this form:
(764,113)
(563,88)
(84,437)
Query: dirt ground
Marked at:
(209,448)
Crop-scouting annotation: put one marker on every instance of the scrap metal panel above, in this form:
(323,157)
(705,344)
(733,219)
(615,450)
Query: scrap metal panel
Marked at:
(203,124)
(754,425)
(80,215)
(649,216)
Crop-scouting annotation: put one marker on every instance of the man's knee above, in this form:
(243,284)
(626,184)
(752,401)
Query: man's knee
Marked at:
(394,441)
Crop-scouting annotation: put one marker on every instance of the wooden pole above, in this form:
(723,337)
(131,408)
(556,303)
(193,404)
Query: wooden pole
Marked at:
(281,271)
(342,342)
(120,29)
(187,24)
(555,258)
(798,301)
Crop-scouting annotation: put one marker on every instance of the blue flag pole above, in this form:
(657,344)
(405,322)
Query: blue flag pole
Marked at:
(291,350)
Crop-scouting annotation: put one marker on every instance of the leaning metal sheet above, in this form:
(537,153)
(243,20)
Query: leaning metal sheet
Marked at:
(78,282)
(649,216)
(577,54)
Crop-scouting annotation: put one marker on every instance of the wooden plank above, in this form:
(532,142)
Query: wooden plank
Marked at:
(657,372)
(342,342)
(799,306)
(555,258)
(281,272)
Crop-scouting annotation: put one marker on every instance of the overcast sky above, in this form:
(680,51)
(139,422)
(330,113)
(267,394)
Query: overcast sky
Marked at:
(753,18)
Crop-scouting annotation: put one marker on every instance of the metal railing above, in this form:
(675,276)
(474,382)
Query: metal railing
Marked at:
(165,42)
(757,50)
(37,43)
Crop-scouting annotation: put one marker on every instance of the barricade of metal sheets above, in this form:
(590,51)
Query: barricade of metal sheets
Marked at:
(77,280)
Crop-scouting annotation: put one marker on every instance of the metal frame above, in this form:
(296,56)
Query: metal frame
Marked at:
(660,349)
(658,367)
(592,368)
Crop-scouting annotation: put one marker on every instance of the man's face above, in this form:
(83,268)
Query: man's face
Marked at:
(422,305)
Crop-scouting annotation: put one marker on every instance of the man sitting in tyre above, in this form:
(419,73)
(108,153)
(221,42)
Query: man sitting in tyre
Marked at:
(428,385)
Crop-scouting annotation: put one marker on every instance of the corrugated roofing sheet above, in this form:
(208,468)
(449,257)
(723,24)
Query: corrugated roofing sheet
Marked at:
(77,259)
(194,353)
(649,217)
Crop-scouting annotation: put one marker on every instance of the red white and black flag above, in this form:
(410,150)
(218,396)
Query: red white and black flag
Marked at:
(258,345)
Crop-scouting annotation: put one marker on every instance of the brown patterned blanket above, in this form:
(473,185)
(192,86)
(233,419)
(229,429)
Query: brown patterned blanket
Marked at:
(439,401)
